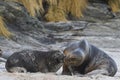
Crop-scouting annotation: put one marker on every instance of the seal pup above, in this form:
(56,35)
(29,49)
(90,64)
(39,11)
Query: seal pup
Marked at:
(35,61)
(84,59)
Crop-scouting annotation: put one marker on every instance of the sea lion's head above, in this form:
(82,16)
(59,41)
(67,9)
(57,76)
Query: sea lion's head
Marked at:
(74,58)
(76,53)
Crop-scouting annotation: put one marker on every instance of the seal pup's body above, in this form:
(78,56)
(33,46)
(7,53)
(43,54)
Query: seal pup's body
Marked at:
(35,61)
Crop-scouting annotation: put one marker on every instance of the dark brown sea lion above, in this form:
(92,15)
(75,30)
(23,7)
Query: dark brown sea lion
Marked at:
(35,61)
(83,58)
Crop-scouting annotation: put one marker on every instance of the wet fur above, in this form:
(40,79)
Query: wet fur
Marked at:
(94,61)
(34,61)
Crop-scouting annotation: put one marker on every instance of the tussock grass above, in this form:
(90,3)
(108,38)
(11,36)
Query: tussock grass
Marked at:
(3,29)
(74,7)
(34,7)
(115,5)
(58,10)
(55,14)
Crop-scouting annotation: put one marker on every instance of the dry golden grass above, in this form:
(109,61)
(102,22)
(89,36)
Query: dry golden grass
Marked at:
(59,9)
(34,7)
(55,14)
(115,5)
(52,2)
(3,29)
(75,7)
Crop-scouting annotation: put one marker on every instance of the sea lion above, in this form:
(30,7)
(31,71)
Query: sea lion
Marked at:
(84,59)
(35,61)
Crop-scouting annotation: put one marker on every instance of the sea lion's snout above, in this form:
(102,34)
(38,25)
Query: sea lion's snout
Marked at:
(73,58)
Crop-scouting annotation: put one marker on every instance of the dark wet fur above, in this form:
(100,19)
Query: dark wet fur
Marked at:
(35,61)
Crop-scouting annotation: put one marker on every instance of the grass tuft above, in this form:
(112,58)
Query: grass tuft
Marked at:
(115,5)
(3,29)
(58,10)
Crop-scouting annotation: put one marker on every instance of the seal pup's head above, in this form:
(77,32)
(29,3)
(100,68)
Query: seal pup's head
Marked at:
(55,61)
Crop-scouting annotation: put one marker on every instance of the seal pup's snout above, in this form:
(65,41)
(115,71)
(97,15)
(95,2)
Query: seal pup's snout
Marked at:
(61,58)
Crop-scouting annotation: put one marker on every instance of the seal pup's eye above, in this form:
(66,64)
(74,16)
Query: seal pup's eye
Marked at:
(49,63)
(59,60)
